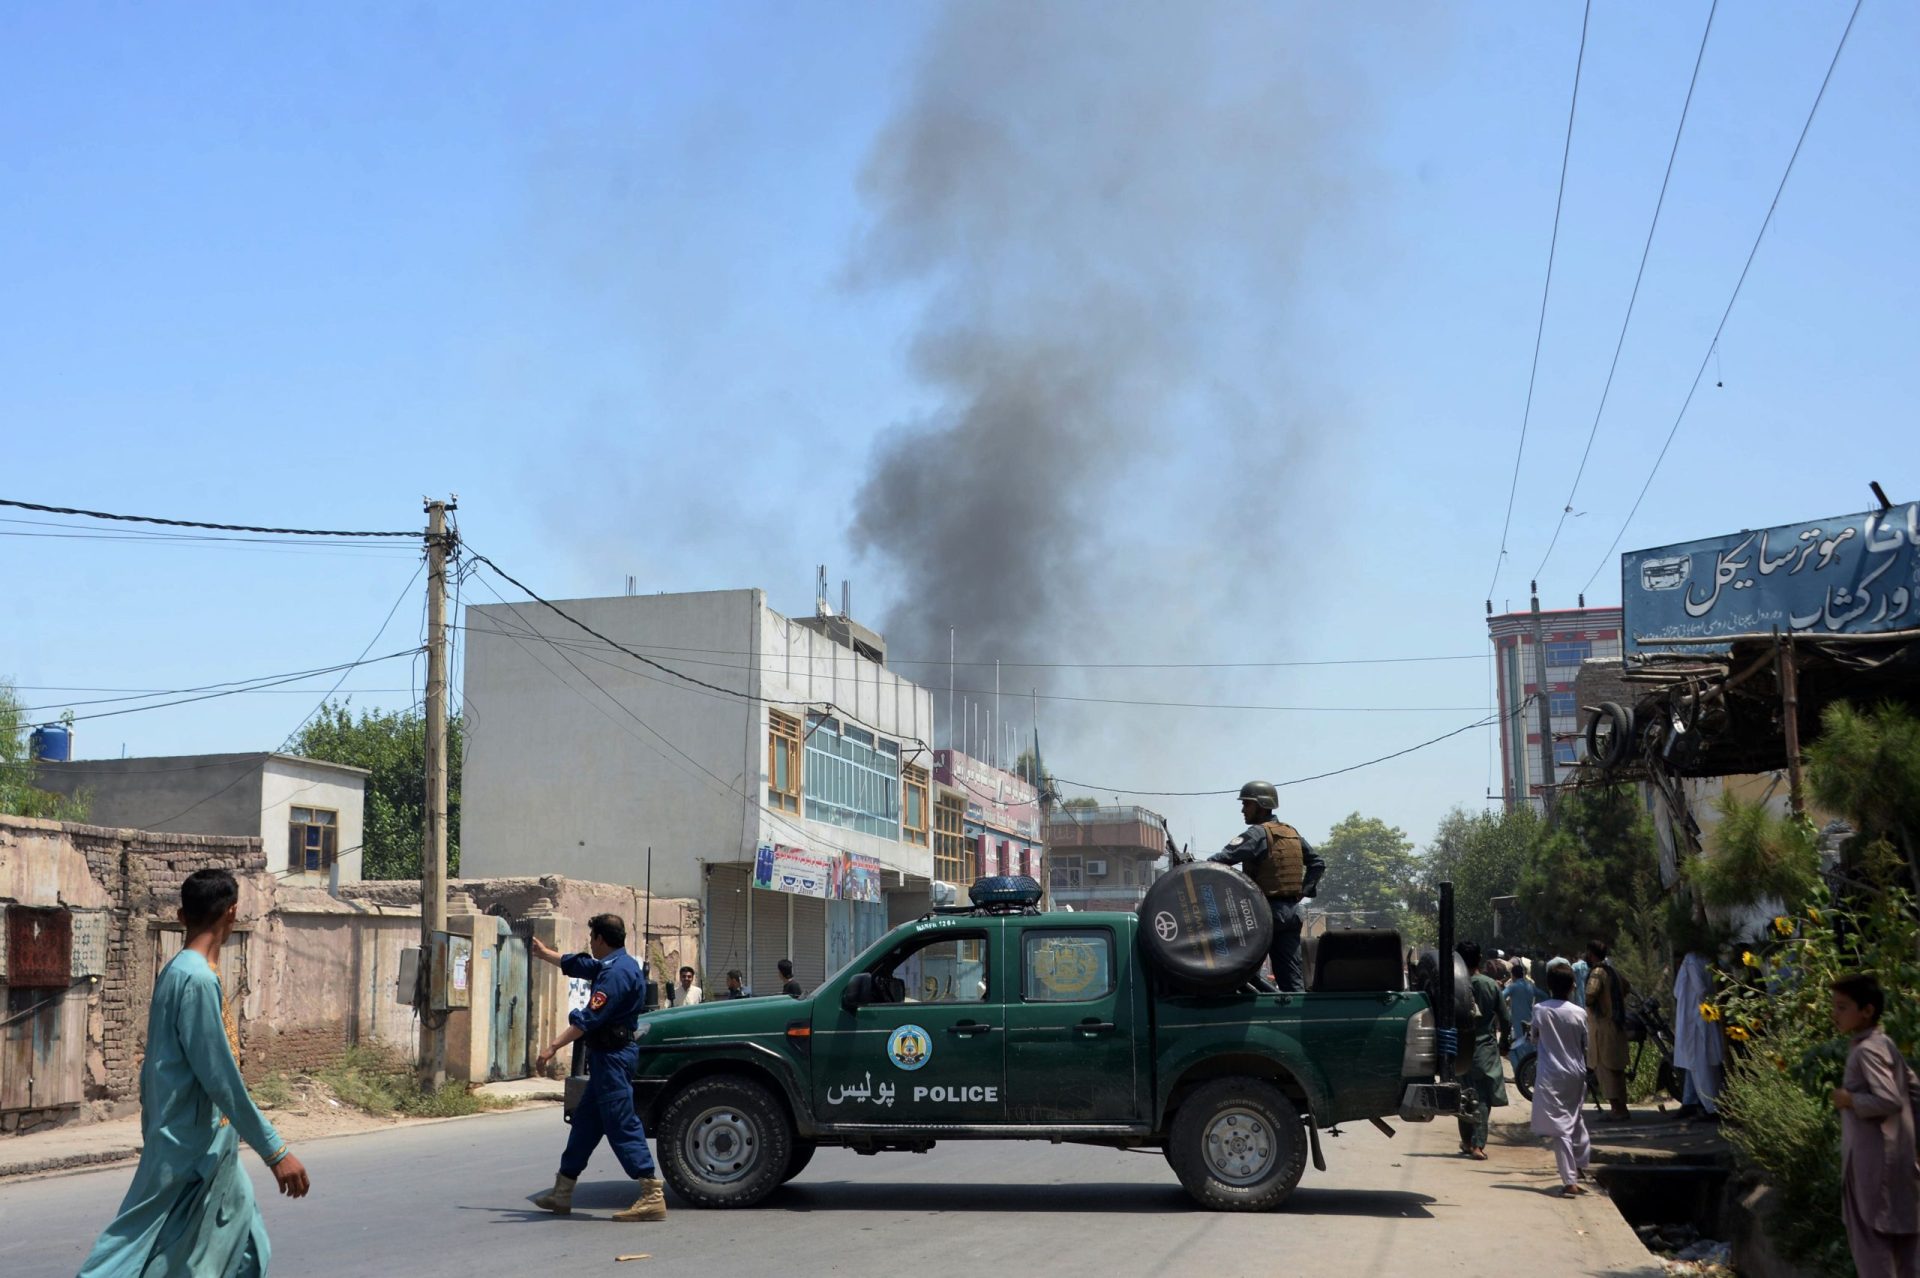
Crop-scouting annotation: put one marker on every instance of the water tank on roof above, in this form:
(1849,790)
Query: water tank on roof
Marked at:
(51,743)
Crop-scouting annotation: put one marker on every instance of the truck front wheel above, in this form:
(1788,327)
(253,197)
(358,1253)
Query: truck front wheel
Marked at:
(725,1142)
(1236,1145)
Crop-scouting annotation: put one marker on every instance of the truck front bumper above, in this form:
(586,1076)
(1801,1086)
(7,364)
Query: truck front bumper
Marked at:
(1423,1102)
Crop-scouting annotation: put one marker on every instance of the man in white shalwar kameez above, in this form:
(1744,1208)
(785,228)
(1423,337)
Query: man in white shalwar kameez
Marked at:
(1697,1045)
(1559,1029)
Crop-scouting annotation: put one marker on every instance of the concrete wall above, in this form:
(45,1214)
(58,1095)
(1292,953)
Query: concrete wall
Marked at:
(242,795)
(580,757)
(287,783)
(563,777)
(191,794)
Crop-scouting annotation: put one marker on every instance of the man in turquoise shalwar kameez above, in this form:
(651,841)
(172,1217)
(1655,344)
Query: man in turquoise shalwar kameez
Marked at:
(190,1209)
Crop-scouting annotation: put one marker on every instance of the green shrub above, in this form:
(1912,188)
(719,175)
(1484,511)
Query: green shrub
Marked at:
(382,1082)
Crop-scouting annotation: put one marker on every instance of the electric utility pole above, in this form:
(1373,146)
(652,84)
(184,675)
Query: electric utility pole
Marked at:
(433,852)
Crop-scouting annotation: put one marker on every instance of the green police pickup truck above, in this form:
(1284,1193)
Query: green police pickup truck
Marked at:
(999,1022)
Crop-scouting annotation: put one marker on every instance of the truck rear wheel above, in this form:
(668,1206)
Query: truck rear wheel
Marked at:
(725,1142)
(1237,1145)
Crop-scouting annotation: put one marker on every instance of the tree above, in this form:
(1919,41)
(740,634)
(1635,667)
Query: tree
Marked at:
(1371,873)
(1595,872)
(18,794)
(1484,855)
(392,746)
(1081,803)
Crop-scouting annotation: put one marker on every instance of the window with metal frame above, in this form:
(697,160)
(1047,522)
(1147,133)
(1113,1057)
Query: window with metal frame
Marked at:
(853,778)
(313,840)
(1570,652)
(783,761)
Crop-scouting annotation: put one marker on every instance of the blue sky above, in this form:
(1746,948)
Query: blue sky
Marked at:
(592,270)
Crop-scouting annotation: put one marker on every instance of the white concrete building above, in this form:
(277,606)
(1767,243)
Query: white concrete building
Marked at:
(308,814)
(789,790)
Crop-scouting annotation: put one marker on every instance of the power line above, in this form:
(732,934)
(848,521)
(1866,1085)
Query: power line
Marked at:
(1546,290)
(1318,776)
(209,696)
(384,623)
(580,645)
(1645,251)
(1753,252)
(195,523)
(1089,665)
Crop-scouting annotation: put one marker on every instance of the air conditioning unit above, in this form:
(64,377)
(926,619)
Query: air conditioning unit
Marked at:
(1097,869)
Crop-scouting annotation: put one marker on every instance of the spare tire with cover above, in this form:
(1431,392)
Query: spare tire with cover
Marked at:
(1205,926)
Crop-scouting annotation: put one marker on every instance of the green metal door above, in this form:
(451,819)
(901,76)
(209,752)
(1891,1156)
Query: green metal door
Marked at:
(1070,1032)
(511,989)
(934,1054)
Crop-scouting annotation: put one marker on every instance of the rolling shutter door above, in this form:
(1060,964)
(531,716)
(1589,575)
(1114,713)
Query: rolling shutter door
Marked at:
(769,940)
(809,941)
(726,938)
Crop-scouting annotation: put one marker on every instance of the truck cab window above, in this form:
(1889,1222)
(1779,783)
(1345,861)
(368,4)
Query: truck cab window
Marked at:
(1068,966)
(946,969)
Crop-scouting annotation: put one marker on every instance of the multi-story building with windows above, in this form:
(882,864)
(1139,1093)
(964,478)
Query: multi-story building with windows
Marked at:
(779,771)
(1570,636)
(998,815)
(1103,858)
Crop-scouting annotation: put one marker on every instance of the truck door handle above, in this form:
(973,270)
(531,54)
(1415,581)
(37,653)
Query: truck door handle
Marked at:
(1095,1027)
(967,1029)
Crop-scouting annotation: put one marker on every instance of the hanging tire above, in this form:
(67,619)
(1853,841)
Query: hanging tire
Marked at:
(802,1155)
(1613,747)
(1237,1145)
(1205,926)
(725,1142)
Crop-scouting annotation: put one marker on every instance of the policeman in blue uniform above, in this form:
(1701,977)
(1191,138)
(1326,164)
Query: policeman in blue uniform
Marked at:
(606,1025)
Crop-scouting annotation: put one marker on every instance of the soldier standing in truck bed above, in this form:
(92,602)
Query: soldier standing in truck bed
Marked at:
(1283,865)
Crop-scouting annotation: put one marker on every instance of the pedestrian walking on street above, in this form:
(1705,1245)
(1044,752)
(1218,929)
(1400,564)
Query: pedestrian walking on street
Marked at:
(1520,995)
(1286,869)
(190,1209)
(606,1026)
(1881,1200)
(1697,1045)
(1485,1084)
(789,986)
(1559,1032)
(1607,1029)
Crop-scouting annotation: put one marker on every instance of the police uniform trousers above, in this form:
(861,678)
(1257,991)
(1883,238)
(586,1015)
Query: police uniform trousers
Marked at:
(607,1110)
(1284,953)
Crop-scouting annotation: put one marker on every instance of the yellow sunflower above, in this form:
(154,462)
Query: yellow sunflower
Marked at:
(1813,913)
(1749,958)
(1783,925)
(1737,1033)
(1708,1012)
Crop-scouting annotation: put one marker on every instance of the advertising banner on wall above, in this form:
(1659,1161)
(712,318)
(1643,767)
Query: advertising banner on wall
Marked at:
(779,868)
(1852,574)
(859,878)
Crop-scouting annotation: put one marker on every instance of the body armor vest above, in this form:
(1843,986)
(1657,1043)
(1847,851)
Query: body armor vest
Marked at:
(1282,871)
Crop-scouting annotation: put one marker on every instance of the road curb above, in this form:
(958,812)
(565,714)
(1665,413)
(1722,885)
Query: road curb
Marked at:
(94,1159)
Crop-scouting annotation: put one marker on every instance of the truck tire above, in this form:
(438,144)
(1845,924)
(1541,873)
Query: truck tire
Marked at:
(1610,735)
(1237,1145)
(725,1142)
(802,1155)
(1205,926)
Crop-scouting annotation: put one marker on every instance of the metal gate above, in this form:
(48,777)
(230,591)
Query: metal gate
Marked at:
(512,988)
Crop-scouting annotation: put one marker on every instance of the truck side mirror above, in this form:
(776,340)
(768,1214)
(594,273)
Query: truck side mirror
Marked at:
(859,991)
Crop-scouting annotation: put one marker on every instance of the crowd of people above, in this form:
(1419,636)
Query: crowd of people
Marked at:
(1572,1024)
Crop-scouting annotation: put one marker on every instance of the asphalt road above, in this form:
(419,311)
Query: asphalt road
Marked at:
(451,1199)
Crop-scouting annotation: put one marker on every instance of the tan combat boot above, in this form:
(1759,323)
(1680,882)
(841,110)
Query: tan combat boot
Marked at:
(651,1205)
(559,1199)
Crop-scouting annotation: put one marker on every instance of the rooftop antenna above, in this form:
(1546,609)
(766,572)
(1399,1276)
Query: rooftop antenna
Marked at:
(846,597)
(821,607)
